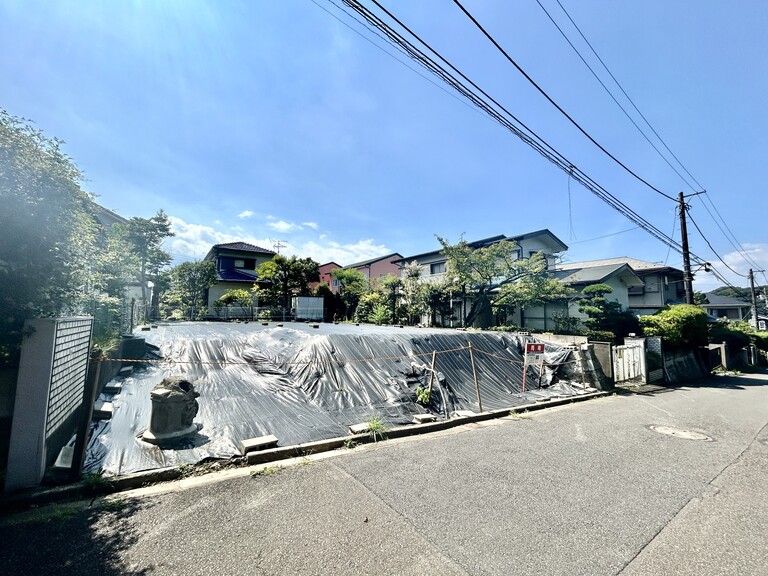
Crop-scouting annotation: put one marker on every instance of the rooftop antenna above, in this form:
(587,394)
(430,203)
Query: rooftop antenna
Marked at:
(277,244)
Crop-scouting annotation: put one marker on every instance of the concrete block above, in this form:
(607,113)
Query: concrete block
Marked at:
(463,413)
(102,410)
(361,428)
(259,443)
(64,459)
(314,325)
(422,418)
(113,388)
(125,371)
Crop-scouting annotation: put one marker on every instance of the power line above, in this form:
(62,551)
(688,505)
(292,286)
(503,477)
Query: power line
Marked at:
(713,250)
(608,91)
(729,236)
(606,235)
(499,113)
(487,104)
(739,248)
(555,104)
(629,99)
(395,58)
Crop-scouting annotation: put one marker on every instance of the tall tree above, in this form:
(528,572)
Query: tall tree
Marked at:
(352,286)
(534,289)
(288,277)
(145,238)
(482,271)
(189,281)
(47,230)
(413,292)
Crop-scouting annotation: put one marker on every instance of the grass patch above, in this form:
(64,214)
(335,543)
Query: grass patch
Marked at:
(266,471)
(520,415)
(96,482)
(350,443)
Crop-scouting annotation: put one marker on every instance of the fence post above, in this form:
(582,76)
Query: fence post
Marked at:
(90,392)
(431,373)
(474,376)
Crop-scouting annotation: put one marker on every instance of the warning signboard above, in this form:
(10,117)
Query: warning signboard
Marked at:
(534,348)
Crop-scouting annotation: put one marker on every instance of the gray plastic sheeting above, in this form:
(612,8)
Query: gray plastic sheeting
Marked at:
(303,384)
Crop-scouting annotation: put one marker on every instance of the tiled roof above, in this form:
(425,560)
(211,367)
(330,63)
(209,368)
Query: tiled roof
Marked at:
(493,240)
(595,274)
(232,275)
(637,265)
(243,247)
(372,260)
(725,301)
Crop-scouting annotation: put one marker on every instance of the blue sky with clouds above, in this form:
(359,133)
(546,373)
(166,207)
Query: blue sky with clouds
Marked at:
(264,121)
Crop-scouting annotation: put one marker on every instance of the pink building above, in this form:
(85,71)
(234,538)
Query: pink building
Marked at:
(325,275)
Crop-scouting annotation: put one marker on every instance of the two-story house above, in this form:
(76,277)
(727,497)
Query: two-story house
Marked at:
(659,285)
(434,264)
(236,264)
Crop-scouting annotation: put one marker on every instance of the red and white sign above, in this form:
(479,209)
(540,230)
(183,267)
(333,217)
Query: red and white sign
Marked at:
(534,348)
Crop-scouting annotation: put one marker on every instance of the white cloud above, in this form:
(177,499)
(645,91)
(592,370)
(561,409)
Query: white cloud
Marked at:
(283,226)
(245,214)
(192,242)
(313,225)
(758,255)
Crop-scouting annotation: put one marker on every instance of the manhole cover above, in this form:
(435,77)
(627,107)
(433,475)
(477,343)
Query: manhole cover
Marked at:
(678,433)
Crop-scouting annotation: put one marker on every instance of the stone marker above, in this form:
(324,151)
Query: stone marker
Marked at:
(174,406)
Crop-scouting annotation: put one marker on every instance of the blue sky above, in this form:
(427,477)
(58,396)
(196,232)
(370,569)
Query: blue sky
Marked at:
(264,121)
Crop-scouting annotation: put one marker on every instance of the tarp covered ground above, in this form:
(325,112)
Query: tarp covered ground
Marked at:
(303,384)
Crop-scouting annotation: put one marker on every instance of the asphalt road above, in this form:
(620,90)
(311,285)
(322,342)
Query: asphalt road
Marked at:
(590,488)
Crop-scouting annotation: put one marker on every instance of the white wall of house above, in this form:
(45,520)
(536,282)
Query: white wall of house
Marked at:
(659,290)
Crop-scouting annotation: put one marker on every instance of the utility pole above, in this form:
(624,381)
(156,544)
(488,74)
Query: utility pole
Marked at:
(754,299)
(687,276)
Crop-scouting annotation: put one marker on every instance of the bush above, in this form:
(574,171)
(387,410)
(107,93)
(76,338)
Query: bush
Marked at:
(683,326)
(366,305)
(600,336)
(761,340)
(736,335)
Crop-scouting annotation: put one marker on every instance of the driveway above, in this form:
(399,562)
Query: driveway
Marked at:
(668,482)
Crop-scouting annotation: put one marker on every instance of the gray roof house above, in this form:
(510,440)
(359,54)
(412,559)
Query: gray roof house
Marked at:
(725,307)
(434,264)
(659,286)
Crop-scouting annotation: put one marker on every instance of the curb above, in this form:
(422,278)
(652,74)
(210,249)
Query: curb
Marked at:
(80,490)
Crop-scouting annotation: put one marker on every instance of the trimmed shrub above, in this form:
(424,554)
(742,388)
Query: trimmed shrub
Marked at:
(683,326)
(736,335)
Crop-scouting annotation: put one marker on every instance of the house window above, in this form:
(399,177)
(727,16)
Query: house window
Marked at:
(239,263)
(437,268)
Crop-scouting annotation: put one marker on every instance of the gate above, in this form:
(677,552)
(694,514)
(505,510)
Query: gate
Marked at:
(49,395)
(629,363)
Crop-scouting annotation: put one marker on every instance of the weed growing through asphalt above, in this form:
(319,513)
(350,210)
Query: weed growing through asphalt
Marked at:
(519,415)
(377,429)
(350,443)
(265,471)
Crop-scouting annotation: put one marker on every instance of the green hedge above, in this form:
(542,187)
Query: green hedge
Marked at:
(683,326)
